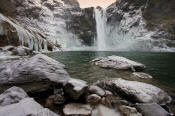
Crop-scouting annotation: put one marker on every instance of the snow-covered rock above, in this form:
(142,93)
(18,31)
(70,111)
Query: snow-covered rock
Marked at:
(142,75)
(118,62)
(75,109)
(129,111)
(136,91)
(12,95)
(96,90)
(105,111)
(75,88)
(15,102)
(152,109)
(39,68)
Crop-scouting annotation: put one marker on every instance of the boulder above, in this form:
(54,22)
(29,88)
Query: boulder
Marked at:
(75,88)
(12,95)
(75,109)
(152,109)
(33,74)
(96,90)
(93,99)
(118,62)
(15,102)
(135,91)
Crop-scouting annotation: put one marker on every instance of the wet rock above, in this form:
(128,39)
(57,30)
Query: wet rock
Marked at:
(93,99)
(151,110)
(33,74)
(129,111)
(15,102)
(96,90)
(105,111)
(142,75)
(75,109)
(136,91)
(75,88)
(119,63)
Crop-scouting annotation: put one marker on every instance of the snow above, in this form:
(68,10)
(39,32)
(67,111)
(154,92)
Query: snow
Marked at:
(143,92)
(78,85)
(117,62)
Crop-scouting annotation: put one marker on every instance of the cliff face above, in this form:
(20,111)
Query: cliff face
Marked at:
(160,14)
(83,25)
(153,18)
(38,23)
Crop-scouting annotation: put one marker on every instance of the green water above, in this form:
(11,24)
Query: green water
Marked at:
(160,65)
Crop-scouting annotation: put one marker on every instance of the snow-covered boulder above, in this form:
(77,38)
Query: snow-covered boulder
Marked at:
(96,90)
(34,70)
(136,91)
(12,95)
(15,102)
(75,109)
(75,88)
(118,62)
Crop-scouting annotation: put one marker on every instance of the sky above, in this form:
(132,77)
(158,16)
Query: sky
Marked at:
(102,3)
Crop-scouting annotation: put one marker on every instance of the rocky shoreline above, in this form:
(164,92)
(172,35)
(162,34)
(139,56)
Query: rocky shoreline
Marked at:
(47,81)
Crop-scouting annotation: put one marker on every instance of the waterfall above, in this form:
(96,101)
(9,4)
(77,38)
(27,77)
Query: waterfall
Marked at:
(100,18)
(116,38)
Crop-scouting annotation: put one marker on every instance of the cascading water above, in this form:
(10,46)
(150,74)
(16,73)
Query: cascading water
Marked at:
(100,28)
(115,38)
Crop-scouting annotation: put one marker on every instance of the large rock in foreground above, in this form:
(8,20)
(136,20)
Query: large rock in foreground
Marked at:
(117,62)
(15,102)
(75,109)
(35,70)
(75,88)
(136,91)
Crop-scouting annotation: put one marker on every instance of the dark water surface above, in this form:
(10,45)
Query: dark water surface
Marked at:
(160,65)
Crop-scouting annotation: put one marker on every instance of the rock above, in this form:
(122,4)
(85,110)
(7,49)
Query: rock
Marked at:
(96,90)
(93,99)
(105,111)
(129,111)
(12,95)
(135,91)
(17,103)
(152,109)
(75,88)
(49,101)
(142,75)
(75,109)
(23,51)
(110,100)
(119,63)
(33,74)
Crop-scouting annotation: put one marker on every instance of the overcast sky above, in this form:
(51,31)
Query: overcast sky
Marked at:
(102,3)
